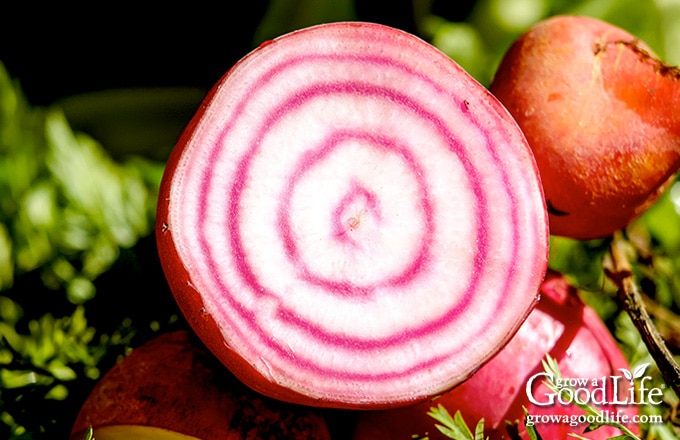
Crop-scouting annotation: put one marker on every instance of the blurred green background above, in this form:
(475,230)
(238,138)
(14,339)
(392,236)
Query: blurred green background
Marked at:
(90,106)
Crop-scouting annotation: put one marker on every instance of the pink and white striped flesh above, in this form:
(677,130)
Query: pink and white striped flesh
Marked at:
(351,221)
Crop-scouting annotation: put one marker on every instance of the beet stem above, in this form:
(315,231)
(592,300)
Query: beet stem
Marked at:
(618,269)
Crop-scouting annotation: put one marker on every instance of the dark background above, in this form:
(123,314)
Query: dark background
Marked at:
(58,51)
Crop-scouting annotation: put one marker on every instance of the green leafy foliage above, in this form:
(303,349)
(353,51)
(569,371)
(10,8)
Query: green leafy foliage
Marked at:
(67,207)
(70,216)
(455,427)
(479,42)
(42,364)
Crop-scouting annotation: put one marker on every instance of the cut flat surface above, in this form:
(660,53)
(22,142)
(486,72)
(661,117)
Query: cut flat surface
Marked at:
(351,220)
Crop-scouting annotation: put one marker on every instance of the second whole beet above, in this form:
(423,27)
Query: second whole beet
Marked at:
(598,110)
(563,327)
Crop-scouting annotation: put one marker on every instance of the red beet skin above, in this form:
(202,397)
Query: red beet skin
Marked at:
(599,111)
(350,220)
(562,327)
(172,383)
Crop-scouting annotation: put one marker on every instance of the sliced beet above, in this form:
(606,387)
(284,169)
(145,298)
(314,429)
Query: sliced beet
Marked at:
(350,220)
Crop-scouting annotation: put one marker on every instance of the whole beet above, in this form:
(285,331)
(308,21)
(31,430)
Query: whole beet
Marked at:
(172,387)
(599,111)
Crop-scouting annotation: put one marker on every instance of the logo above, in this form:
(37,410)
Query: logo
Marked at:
(600,391)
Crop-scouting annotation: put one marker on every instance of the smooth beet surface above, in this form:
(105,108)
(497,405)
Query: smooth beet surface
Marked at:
(350,220)
(173,385)
(599,111)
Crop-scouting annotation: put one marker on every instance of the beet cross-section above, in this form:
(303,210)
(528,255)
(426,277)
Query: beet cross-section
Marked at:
(350,220)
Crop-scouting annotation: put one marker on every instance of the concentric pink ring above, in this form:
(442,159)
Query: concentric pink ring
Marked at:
(245,329)
(329,145)
(237,244)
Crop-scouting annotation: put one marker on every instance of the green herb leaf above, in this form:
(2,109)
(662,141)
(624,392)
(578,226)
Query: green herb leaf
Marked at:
(455,428)
(532,432)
